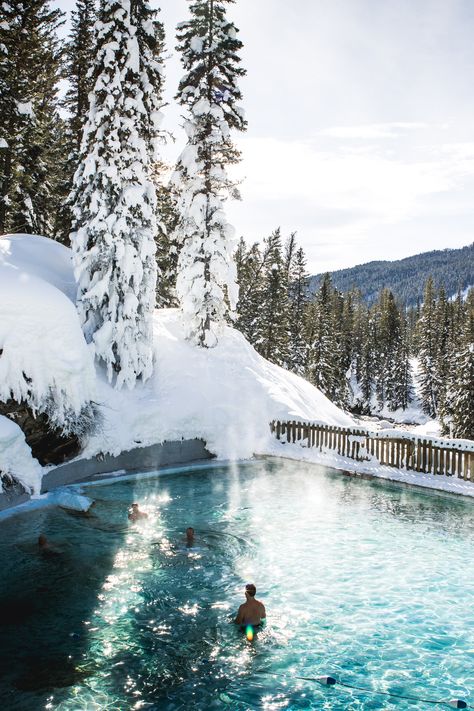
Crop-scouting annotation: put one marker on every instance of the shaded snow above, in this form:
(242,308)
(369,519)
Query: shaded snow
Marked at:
(15,457)
(40,257)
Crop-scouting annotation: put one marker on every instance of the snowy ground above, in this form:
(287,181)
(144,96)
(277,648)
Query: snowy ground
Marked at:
(226,395)
(411,419)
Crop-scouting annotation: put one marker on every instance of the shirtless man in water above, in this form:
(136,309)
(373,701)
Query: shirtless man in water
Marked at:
(252,611)
(135,513)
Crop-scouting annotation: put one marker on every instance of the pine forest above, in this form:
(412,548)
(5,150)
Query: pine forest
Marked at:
(83,166)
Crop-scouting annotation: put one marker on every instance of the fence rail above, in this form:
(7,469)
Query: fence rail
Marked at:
(408,452)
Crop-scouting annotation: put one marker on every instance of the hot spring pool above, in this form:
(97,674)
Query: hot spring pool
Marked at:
(369,583)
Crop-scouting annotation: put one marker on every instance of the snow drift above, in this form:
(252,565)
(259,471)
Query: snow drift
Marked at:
(44,359)
(226,395)
(40,257)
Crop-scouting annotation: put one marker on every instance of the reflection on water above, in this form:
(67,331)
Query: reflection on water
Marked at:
(368,583)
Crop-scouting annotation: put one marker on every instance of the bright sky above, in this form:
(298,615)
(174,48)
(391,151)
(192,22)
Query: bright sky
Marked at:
(361,124)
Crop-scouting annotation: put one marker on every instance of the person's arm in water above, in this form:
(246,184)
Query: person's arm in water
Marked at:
(240,617)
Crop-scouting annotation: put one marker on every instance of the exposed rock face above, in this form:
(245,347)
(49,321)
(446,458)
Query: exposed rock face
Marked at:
(48,445)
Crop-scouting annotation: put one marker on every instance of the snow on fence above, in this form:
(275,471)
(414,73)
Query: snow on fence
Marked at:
(404,451)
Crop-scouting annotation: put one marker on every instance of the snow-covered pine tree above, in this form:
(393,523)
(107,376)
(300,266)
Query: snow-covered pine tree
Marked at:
(252,265)
(79,60)
(206,283)
(321,368)
(461,393)
(365,370)
(166,246)
(271,322)
(113,196)
(298,298)
(400,382)
(426,339)
(80,54)
(341,357)
(29,73)
(390,357)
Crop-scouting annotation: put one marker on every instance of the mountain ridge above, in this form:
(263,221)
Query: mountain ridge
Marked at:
(451,268)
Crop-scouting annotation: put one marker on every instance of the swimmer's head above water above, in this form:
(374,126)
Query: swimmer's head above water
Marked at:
(250,590)
(190,535)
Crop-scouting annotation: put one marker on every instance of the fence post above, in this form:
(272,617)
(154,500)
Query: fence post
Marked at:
(466,465)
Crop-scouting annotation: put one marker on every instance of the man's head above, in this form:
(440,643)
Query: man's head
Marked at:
(189,532)
(135,507)
(42,540)
(250,590)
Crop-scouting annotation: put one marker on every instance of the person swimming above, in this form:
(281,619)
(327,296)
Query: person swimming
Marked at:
(251,612)
(135,514)
(190,537)
(45,547)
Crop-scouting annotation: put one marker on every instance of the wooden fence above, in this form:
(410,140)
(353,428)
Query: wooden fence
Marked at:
(408,452)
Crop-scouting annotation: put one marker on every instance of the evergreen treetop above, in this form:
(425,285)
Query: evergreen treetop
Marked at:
(206,283)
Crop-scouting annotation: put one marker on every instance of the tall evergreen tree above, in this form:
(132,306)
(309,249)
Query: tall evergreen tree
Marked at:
(321,339)
(206,274)
(461,393)
(114,198)
(79,60)
(167,249)
(80,54)
(30,57)
(426,336)
(272,327)
(298,298)
(251,264)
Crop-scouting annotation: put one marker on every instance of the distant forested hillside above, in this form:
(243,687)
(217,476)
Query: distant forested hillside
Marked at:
(451,268)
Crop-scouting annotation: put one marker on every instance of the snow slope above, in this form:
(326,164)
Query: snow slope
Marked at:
(226,395)
(43,355)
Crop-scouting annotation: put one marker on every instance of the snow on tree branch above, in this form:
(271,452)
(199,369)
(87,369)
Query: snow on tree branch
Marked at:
(113,196)
(206,283)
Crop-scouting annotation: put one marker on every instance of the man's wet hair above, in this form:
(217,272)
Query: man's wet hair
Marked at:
(251,589)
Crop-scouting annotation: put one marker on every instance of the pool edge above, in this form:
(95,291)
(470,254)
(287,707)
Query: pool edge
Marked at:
(81,470)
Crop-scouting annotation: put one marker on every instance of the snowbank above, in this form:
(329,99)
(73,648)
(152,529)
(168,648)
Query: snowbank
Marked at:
(44,358)
(15,457)
(226,395)
(40,257)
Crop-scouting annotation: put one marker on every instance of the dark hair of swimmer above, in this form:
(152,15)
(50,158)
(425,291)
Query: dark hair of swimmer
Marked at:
(250,589)
(42,540)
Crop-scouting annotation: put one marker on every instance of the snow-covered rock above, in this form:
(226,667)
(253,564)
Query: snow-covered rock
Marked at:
(71,500)
(44,358)
(15,457)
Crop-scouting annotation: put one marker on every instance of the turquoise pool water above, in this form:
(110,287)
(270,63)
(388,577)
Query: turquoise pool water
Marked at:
(369,583)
